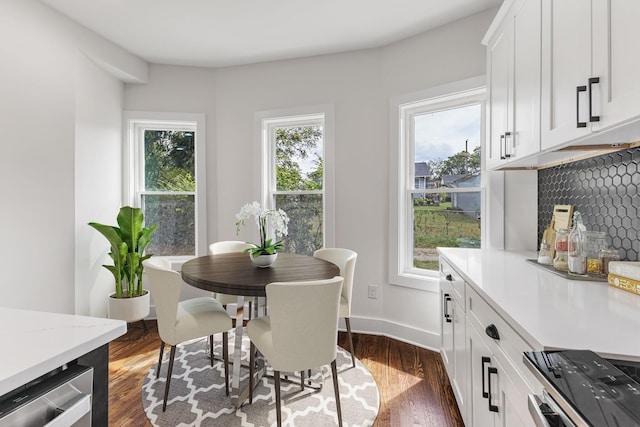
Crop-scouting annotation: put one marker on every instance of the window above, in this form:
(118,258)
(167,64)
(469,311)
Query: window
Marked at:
(438,196)
(164,182)
(295,179)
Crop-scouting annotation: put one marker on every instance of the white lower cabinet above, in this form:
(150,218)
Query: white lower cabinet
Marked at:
(482,354)
(494,399)
(453,348)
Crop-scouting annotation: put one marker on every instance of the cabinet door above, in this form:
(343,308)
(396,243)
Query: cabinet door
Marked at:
(480,361)
(616,60)
(566,68)
(525,138)
(498,96)
(460,359)
(512,405)
(446,348)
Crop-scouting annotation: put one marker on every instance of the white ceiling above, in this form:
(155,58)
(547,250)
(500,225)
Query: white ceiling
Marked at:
(217,33)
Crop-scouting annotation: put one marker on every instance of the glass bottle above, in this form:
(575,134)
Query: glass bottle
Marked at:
(560,262)
(595,242)
(544,256)
(576,246)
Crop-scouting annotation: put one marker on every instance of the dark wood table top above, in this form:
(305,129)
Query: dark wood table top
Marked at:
(235,274)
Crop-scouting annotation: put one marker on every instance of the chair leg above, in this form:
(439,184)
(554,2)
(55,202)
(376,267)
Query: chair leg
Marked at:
(302,380)
(252,361)
(347,321)
(160,359)
(225,360)
(250,310)
(211,349)
(336,389)
(276,376)
(166,387)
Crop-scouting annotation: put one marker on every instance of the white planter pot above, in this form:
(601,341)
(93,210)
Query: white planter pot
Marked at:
(129,309)
(264,261)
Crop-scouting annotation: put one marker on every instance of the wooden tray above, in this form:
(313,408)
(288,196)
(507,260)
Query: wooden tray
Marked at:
(590,277)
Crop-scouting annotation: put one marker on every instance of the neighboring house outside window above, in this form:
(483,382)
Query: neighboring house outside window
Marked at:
(422,176)
(165,179)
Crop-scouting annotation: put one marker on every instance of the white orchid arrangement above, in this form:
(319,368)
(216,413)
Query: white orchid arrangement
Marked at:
(276,220)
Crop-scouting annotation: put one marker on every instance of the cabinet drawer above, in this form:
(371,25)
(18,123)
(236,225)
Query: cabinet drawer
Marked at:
(449,275)
(482,316)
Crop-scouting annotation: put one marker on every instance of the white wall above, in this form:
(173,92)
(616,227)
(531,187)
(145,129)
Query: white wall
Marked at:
(46,85)
(359,86)
(98,180)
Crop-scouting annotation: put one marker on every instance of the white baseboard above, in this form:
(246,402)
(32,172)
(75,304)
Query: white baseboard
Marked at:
(400,332)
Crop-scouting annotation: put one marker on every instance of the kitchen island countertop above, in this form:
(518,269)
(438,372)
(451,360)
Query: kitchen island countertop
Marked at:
(35,343)
(550,311)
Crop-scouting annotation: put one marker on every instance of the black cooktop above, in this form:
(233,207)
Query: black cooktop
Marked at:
(600,393)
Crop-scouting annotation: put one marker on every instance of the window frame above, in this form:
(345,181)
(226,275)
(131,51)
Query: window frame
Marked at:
(135,123)
(402,111)
(303,116)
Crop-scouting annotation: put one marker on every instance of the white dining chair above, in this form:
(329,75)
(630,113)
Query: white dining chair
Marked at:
(299,333)
(225,247)
(345,259)
(180,321)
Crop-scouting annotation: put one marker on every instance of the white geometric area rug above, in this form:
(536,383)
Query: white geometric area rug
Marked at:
(197,397)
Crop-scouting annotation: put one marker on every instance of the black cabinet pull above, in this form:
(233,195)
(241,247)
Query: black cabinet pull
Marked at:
(507,135)
(447,316)
(592,118)
(449,277)
(492,331)
(492,370)
(579,124)
(485,359)
(502,157)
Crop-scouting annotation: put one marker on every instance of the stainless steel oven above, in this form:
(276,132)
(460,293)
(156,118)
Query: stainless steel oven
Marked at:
(582,389)
(62,398)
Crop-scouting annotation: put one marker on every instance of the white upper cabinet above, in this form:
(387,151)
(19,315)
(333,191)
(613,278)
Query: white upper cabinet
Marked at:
(498,104)
(616,60)
(513,58)
(590,59)
(566,69)
(526,77)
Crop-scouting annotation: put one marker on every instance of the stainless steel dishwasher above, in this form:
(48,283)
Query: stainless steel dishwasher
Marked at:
(59,399)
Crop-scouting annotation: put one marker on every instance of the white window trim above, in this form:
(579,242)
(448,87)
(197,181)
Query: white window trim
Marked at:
(401,155)
(264,161)
(131,119)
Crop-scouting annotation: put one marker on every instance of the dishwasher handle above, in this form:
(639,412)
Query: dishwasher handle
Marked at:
(71,411)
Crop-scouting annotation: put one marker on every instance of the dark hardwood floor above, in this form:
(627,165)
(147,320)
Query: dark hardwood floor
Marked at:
(414,388)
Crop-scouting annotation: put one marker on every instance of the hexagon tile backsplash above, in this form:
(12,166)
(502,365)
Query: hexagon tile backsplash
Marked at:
(605,191)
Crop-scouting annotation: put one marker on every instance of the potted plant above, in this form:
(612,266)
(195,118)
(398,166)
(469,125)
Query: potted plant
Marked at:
(264,254)
(128,240)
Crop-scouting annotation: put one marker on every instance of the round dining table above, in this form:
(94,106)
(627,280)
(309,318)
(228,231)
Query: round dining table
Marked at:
(235,274)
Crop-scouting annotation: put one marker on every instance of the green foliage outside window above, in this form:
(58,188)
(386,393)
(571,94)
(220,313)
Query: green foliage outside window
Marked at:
(300,167)
(169,165)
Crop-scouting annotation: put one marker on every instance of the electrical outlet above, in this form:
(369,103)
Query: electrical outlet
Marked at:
(373,291)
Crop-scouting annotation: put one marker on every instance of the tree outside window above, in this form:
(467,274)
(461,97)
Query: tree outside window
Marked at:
(167,190)
(297,184)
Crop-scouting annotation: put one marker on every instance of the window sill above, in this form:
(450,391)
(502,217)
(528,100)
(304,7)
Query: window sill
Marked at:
(416,281)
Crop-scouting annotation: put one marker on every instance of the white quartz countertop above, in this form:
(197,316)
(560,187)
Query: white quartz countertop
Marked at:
(550,311)
(34,342)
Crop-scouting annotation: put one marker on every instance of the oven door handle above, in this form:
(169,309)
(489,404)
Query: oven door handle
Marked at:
(534,409)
